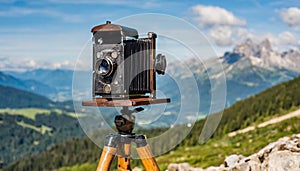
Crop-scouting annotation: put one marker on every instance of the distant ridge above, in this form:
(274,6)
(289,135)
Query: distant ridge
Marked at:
(15,98)
(29,85)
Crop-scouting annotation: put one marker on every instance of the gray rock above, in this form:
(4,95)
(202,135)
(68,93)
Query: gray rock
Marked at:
(247,164)
(212,168)
(179,167)
(233,160)
(282,160)
(282,155)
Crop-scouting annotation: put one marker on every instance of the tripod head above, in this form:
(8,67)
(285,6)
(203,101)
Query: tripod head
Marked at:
(125,122)
(125,110)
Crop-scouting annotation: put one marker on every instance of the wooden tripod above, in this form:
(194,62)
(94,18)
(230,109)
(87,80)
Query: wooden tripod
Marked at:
(120,144)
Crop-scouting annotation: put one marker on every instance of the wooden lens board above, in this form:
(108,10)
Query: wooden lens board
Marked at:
(107,102)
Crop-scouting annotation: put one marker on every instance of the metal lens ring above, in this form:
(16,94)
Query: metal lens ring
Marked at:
(105,67)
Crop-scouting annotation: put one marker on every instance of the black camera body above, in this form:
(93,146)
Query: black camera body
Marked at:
(124,65)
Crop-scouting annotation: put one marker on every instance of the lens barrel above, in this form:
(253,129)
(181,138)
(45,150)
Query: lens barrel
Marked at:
(105,67)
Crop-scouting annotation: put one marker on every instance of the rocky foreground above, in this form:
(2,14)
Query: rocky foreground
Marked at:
(281,155)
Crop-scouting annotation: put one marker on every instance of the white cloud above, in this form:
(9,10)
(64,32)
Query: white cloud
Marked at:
(242,34)
(221,25)
(29,64)
(222,35)
(287,38)
(226,29)
(291,16)
(225,36)
(213,15)
(284,40)
(17,65)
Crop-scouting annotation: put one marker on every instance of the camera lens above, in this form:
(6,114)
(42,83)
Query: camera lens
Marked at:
(105,67)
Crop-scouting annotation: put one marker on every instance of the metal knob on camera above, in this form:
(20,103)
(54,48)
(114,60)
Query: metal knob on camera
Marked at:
(160,64)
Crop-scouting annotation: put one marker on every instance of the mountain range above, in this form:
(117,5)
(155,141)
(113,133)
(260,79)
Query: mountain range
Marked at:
(249,69)
(15,98)
(54,84)
(30,85)
(262,55)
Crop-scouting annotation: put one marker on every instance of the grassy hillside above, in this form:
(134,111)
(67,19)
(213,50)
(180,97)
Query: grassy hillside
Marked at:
(268,104)
(31,113)
(213,152)
(272,102)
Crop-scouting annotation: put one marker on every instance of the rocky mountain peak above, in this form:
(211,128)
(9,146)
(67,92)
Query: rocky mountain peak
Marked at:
(249,42)
(262,55)
(247,48)
(250,48)
(266,44)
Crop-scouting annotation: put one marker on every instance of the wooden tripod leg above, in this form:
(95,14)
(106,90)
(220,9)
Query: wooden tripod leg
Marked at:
(108,153)
(107,156)
(144,151)
(124,164)
(124,158)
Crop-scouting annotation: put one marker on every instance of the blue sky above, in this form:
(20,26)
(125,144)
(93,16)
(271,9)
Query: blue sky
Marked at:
(51,33)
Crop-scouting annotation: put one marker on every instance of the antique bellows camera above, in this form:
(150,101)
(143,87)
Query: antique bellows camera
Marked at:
(124,65)
(124,75)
